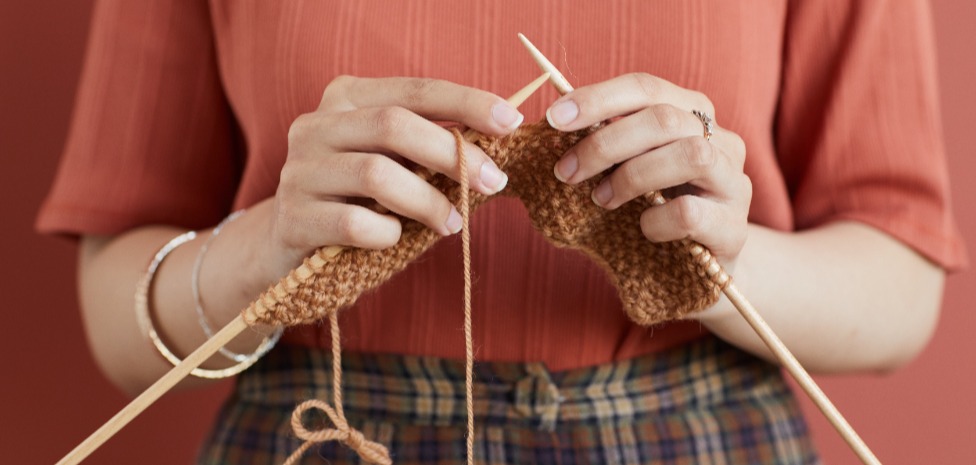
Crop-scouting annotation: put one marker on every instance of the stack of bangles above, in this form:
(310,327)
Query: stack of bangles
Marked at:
(145,320)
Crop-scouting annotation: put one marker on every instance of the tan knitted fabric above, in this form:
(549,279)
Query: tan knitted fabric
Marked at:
(656,282)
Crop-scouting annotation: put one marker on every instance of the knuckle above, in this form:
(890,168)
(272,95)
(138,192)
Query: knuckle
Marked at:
(706,103)
(283,215)
(298,129)
(376,173)
(341,81)
(352,225)
(747,189)
(592,98)
(288,178)
(738,149)
(419,90)
(387,122)
(627,178)
(603,145)
(698,154)
(473,101)
(647,84)
(667,118)
(689,216)
(335,88)
(287,224)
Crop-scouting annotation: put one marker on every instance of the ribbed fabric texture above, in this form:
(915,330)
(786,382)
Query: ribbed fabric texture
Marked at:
(184,110)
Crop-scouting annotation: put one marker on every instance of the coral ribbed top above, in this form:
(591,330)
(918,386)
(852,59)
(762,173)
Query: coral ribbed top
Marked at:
(184,108)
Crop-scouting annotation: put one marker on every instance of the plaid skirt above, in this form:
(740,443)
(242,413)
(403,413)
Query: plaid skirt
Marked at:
(703,403)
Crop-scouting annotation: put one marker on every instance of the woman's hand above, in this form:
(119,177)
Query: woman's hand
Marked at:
(656,143)
(360,143)
(349,152)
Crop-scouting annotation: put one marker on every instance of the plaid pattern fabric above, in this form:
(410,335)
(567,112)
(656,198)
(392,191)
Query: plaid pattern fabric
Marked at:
(703,403)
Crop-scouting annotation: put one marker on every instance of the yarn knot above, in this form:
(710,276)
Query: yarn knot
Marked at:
(369,451)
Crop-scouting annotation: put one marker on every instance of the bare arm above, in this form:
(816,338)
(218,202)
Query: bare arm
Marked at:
(111,267)
(843,297)
(336,152)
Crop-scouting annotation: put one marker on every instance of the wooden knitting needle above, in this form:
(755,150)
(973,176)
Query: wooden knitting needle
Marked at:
(211,346)
(558,80)
(772,341)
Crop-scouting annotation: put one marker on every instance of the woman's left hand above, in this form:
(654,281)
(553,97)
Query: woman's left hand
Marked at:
(657,143)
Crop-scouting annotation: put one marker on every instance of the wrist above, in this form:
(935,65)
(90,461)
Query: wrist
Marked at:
(235,270)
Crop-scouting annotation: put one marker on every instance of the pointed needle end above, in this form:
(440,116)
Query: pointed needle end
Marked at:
(524,93)
(557,78)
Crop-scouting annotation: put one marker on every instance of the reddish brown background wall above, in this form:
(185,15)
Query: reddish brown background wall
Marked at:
(51,395)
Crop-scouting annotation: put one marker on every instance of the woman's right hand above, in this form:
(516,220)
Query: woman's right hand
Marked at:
(360,144)
(352,147)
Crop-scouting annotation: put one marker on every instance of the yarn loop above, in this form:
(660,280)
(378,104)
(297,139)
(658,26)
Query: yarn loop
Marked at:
(372,452)
(656,281)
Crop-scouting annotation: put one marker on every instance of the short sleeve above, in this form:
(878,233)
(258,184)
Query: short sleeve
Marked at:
(152,139)
(858,130)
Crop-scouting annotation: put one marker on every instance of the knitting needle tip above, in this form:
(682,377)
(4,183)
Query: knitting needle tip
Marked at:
(516,99)
(524,93)
(557,78)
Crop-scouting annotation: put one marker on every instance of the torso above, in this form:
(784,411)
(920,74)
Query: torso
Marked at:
(533,302)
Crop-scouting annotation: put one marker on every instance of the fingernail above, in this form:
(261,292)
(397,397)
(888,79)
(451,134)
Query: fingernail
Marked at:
(453,221)
(566,167)
(492,177)
(506,116)
(602,194)
(562,113)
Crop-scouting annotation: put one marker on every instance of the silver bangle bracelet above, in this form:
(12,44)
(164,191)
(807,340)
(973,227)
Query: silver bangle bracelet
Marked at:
(144,318)
(267,343)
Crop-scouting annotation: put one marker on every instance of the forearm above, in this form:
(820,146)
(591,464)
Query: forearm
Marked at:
(337,152)
(843,297)
(110,269)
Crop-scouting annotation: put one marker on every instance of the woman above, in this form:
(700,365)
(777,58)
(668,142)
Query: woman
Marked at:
(823,191)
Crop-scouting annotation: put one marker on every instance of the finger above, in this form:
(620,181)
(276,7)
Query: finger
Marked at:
(625,138)
(334,223)
(402,132)
(691,160)
(432,98)
(620,96)
(691,217)
(392,185)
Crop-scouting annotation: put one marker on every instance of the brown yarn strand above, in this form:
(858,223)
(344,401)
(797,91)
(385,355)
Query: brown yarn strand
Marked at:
(369,451)
(713,272)
(657,282)
(466,252)
(297,282)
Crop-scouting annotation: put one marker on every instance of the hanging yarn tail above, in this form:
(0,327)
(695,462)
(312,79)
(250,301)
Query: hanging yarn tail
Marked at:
(369,451)
(466,251)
